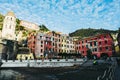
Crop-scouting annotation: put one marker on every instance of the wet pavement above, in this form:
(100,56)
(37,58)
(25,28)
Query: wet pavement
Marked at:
(87,71)
(117,73)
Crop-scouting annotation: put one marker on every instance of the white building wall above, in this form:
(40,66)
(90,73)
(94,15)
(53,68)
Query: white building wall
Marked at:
(9,24)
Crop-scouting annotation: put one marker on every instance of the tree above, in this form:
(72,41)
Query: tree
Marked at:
(89,53)
(43,28)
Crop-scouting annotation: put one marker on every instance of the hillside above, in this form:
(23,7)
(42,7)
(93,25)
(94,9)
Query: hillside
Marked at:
(1,21)
(90,32)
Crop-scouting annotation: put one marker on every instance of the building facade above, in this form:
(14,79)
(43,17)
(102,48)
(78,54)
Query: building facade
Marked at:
(31,41)
(99,45)
(29,25)
(9,24)
(43,45)
(56,42)
(68,45)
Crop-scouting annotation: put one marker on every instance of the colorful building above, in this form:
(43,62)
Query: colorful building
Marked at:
(68,45)
(31,41)
(24,53)
(56,42)
(43,45)
(100,44)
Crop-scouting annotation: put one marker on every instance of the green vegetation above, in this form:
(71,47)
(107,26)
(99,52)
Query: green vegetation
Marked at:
(1,21)
(89,54)
(43,28)
(90,32)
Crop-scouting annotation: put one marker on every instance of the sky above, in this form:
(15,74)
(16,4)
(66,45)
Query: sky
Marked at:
(66,16)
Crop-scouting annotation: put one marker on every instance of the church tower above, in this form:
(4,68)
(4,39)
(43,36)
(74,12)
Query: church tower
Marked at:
(9,24)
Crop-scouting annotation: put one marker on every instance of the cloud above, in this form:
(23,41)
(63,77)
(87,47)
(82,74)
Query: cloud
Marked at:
(66,15)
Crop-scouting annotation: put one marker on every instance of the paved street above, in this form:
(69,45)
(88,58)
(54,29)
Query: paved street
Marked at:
(117,73)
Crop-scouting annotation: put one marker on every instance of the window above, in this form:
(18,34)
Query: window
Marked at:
(100,49)
(79,47)
(40,37)
(83,51)
(41,42)
(82,46)
(90,43)
(59,35)
(67,46)
(104,36)
(82,41)
(53,39)
(41,50)
(99,43)
(41,45)
(94,43)
(95,49)
(34,42)
(59,40)
(67,41)
(106,48)
(53,44)
(59,45)
(46,38)
(53,34)
(64,45)
(105,42)
(86,46)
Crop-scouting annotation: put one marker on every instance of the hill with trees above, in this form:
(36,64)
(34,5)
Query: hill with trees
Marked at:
(90,32)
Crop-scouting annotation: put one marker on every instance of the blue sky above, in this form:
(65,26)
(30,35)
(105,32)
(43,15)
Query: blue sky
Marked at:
(66,15)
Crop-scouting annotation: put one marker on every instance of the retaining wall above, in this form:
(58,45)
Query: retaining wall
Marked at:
(42,63)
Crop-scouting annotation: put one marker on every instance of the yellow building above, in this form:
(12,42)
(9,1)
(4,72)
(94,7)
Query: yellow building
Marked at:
(68,45)
(25,56)
(24,53)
